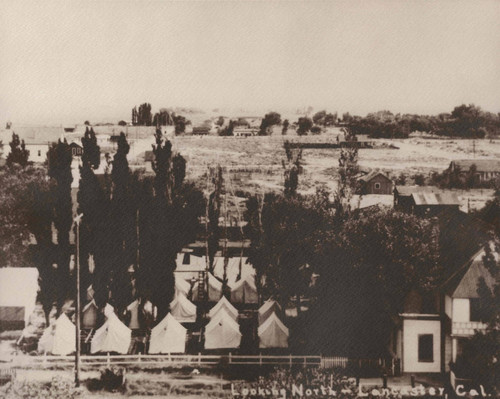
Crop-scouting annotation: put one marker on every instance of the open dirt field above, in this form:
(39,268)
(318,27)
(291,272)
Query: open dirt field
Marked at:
(258,160)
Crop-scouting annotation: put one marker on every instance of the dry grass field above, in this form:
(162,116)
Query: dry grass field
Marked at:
(258,160)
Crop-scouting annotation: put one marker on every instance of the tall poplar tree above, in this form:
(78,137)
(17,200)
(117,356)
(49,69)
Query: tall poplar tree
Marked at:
(60,159)
(90,204)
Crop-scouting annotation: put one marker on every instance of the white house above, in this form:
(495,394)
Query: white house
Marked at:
(461,303)
(431,331)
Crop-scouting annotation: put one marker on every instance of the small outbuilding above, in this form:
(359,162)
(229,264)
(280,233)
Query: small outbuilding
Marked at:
(375,183)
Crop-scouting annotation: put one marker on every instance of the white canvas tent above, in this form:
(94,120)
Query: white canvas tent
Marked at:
(224,305)
(182,287)
(18,291)
(58,338)
(183,309)
(222,332)
(169,336)
(214,289)
(244,291)
(267,309)
(113,336)
(273,333)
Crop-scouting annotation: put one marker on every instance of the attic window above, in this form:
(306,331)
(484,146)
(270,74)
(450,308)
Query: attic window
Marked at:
(377,186)
(426,348)
(39,153)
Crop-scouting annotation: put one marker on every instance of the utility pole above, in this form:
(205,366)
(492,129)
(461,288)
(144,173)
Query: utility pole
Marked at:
(77,308)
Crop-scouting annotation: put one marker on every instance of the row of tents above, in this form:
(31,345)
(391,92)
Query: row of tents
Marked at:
(169,336)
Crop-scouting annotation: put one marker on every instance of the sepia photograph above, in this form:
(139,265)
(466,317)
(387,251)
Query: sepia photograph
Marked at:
(249,199)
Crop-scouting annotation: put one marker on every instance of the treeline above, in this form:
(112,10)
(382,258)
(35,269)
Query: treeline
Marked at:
(143,116)
(131,224)
(465,121)
(348,272)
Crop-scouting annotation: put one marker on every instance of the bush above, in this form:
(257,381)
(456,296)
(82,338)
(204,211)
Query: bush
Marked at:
(111,379)
(57,388)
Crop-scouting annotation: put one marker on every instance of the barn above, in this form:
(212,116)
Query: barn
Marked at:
(375,183)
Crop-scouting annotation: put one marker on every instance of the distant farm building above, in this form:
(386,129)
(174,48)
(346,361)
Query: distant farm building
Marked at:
(76,149)
(486,169)
(375,183)
(244,131)
(201,130)
(38,151)
(425,200)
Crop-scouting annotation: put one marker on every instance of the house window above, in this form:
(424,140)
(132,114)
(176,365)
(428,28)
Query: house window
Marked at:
(186,260)
(39,153)
(377,186)
(426,348)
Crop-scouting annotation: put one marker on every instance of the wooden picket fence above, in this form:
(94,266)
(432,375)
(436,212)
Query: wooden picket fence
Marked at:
(210,360)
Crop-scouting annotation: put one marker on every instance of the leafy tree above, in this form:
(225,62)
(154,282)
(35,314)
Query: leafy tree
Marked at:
(220,121)
(292,169)
(322,118)
(122,123)
(91,203)
(284,129)
(39,219)
(60,159)
(169,214)
(367,264)
(271,119)
(122,217)
(18,152)
(163,118)
(347,173)
(304,126)
(180,123)
(214,209)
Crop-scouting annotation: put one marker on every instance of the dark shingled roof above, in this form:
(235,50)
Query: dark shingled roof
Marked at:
(482,165)
(465,282)
(407,191)
(366,178)
(438,198)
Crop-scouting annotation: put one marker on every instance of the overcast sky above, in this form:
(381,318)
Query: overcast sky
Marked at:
(68,61)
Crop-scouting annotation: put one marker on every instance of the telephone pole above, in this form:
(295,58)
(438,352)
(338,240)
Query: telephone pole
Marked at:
(77,307)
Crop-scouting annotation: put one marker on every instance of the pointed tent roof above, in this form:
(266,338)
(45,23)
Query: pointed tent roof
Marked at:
(183,309)
(273,333)
(224,306)
(169,336)
(244,290)
(59,338)
(113,336)
(267,309)
(222,332)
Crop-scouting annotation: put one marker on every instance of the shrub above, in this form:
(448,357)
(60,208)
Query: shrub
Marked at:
(57,388)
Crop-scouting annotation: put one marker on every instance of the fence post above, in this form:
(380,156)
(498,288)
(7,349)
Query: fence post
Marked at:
(290,360)
(108,359)
(199,358)
(392,366)
(44,363)
(305,362)
(230,360)
(139,358)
